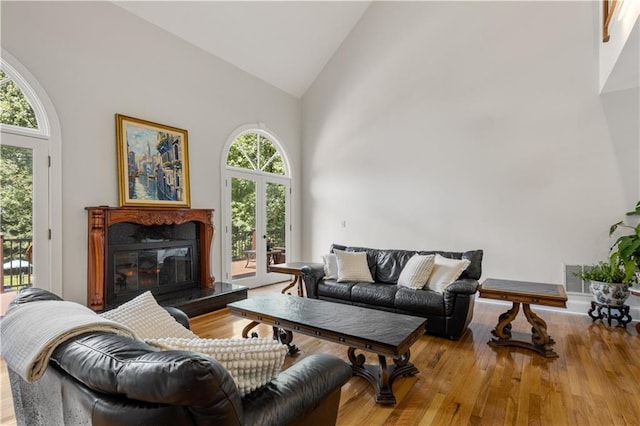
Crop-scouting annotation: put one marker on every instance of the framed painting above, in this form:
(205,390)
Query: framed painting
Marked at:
(153,164)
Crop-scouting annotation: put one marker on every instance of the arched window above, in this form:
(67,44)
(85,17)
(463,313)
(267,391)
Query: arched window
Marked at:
(29,187)
(256,209)
(15,109)
(255,151)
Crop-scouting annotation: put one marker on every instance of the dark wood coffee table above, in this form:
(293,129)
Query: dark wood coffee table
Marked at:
(525,293)
(383,333)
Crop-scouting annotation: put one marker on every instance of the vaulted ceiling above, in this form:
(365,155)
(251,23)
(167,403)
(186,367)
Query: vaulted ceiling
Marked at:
(283,43)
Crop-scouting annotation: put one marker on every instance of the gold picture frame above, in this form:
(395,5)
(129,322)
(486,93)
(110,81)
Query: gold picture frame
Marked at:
(153,164)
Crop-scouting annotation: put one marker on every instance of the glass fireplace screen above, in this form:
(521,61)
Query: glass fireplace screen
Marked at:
(152,268)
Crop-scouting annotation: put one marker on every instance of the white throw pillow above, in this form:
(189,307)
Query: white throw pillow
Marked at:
(147,319)
(445,272)
(417,271)
(330,266)
(352,266)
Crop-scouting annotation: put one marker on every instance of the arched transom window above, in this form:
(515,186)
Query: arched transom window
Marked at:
(255,151)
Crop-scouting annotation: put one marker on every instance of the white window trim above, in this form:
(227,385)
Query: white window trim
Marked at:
(227,171)
(48,128)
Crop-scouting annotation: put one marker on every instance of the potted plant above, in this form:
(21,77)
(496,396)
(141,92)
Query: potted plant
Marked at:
(626,249)
(608,282)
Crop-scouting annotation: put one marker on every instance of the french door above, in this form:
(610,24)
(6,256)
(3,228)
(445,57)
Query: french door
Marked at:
(34,256)
(257,227)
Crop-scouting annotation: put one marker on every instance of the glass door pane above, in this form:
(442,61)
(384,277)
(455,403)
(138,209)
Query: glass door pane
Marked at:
(276,203)
(16,217)
(243,228)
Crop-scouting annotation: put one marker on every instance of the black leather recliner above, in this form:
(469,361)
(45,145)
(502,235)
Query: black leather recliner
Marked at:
(447,314)
(99,378)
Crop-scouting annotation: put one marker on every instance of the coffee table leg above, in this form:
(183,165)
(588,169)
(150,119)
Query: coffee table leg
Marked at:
(381,376)
(280,334)
(245,331)
(285,337)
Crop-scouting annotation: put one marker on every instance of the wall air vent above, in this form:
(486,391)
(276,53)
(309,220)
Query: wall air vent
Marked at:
(574,284)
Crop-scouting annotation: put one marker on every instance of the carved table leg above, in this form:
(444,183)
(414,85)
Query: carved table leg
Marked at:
(541,341)
(245,331)
(381,376)
(296,280)
(285,337)
(280,334)
(503,329)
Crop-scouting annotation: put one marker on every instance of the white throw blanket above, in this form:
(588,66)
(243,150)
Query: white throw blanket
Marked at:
(31,332)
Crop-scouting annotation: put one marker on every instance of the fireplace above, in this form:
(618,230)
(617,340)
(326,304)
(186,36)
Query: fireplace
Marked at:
(157,258)
(133,250)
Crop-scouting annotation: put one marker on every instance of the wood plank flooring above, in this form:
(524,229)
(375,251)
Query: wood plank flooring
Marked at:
(595,381)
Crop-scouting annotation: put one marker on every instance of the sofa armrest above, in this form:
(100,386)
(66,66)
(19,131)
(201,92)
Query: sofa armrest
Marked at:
(459,292)
(463,286)
(296,391)
(311,276)
(179,316)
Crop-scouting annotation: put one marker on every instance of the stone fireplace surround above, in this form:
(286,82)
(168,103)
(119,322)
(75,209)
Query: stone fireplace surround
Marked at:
(196,298)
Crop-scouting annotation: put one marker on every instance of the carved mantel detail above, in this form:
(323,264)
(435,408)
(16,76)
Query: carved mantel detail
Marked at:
(102,217)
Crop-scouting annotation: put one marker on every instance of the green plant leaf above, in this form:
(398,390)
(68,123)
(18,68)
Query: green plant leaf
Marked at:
(614,227)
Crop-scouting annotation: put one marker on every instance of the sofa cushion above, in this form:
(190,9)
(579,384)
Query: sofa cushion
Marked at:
(416,272)
(474,270)
(422,302)
(353,267)
(445,271)
(335,290)
(390,263)
(375,294)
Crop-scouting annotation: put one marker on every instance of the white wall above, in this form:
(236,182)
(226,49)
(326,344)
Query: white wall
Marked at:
(95,59)
(456,126)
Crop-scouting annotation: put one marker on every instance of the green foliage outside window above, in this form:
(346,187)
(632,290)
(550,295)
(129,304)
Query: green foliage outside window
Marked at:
(255,152)
(16,199)
(14,106)
(16,164)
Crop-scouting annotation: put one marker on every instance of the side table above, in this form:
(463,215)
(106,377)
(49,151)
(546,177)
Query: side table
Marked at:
(295,269)
(525,293)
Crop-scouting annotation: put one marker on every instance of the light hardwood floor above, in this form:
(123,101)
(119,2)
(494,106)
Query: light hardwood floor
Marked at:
(595,381)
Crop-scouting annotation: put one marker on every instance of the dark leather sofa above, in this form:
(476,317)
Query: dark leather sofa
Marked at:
(448,314)
(105,379)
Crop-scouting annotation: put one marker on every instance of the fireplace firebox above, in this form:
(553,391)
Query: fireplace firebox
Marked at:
(133,250)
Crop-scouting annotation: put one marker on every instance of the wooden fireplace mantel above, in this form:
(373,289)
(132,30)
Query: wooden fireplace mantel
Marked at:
(102,217)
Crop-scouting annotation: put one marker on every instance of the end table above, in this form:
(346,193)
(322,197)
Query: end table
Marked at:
(295,269)
(525,293)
